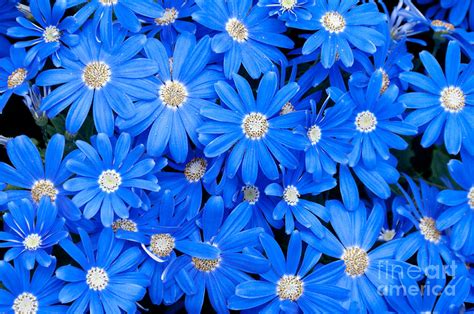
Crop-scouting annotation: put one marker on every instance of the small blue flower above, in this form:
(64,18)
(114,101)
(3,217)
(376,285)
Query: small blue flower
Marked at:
(253,128)
(443,102)
(106,78)
(289,287)
(106,279)
(47,37)
(109,177)
(35,179)
(246,35)
(31,232)
(289,10)
(23,293)
(339,23)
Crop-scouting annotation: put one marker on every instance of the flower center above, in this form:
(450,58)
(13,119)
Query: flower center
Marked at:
(291,195)
(96,74)
(169,17)
(387,234)
(51,34)
(195,169)
(124,224)
(442,27)
(356,261)
(109,181)
(470,197)
(289,287)
(452,99)
(108,2)
(314,134)
(97,279)
(287,108)
(255,125)
(333,22)
(385,81)
(365,122)
(162,244)
(251,194)
(43,188)
(206,265)
(237,30)
(173,94)
(428,229)
(32,242)
(25,303)
(16,78)
(288,5)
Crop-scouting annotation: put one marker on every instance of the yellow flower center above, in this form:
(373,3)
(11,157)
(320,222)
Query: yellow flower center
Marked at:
(109,181)
(452,99)
(365,122)
(173,94)
(251,194)
(385,81)
(43,188)
(446,27)
(195,169)
(16,78)
(32,242)
(25,303)
(291,195)
(169,17)
(356,261)
(287,108)
(51,34)
(108,2)
(162,244)
(237,30)
(333,22)
(96,74)
(470,197)
(314,134)
(428,229)
(206,265)
(124,224)
(289,287)
(288,5)
(255,125)
(97,279)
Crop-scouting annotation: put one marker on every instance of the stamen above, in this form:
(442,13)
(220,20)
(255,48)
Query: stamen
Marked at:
(356,261)
(333,22)
(237,30)
(97,279)
(385,81)
(195,169)
(290,287)
(470,197)
(291,195)
(365,122)
(25,303)
(443,27)
(109,181)
(173,94)
(16,78)
(108,2)
(206,265)
(387,235)
(314,134)
(288,5)
(255,126)
(251,194)
(287,108)
(428,229)
(32,242)
(162,244)
(43,188)
(51,34)
(169,17)
(96,74)
(452,99)
(124,224)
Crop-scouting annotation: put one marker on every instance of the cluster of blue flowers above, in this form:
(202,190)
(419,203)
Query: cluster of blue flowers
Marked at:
(238,155)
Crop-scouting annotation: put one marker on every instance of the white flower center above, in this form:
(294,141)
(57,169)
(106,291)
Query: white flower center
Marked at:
(108,2)
(255,125)
(43,188)
(387,235)
(287,108)
(16,78)
(452,99)
(333,22)
(288,5)
(124,224)
(96,74)
(97,279)
(314,134)
(32,242)
(162,244)
(428,229)
(169,17)
(109,181)
(291,195)
(237,30)
(25,303)
(356,261)
(251,194)
(289,287)
(206,265)
(385,81)
(195,169)
(470,197)
(365,122)
(173,94)
(51,34)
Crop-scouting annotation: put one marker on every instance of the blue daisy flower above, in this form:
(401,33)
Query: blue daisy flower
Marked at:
(31,232)
(365,271)
(460,203)
(106,279)
(184,84)
(253,127)
(34,179)
(337,25)
(23,293)
(443,102)
(108,78)
(246,35)
(395,226)
(290,286)
(47,37)
(15,74)
(220,275)
(296,184)
(109,176)
(428,239)
(289,10)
